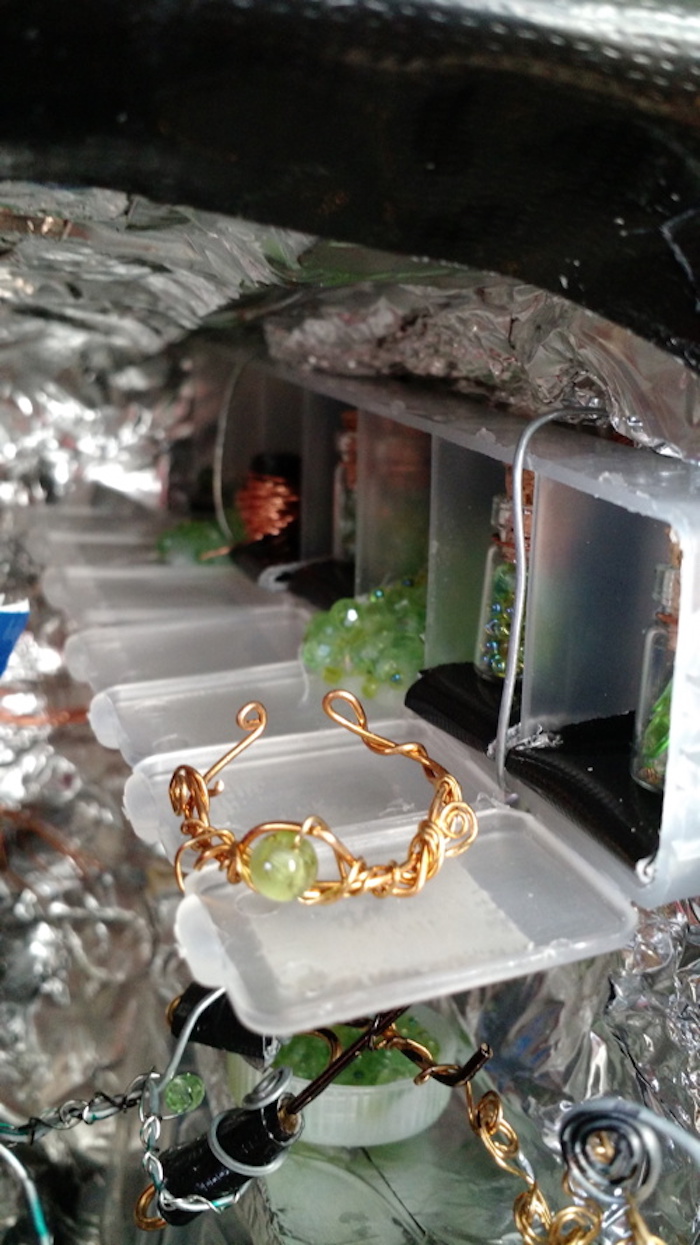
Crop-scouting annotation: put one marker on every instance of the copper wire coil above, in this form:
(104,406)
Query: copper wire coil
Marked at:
(267,505)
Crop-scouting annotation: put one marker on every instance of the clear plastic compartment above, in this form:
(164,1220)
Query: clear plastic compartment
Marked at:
(94,549)
(142,719)
(517,902)
(328,772)
(171,647)
(48,531)
(103,595)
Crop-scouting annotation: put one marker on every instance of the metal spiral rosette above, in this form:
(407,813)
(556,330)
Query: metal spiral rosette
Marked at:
(611,1149)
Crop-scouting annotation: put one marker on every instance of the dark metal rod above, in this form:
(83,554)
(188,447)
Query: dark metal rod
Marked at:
(316,1087)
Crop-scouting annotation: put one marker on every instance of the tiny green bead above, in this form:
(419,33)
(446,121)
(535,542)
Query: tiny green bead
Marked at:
(370,686)
(332,674)
(283,865)
(183,1093)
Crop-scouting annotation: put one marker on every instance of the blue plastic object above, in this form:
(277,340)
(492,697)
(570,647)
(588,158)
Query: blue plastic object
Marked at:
(13,620)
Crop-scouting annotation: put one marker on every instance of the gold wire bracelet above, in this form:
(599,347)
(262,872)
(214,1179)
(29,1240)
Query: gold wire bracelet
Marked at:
(278,859)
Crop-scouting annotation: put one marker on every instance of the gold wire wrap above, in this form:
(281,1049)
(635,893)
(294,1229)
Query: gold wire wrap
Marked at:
(449,828)
(577,1224)
(146,1221)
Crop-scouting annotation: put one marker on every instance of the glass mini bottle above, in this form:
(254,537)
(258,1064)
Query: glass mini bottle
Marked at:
(498,597)
(345,490)
(656,685)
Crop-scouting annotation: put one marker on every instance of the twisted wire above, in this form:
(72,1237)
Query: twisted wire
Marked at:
(447,830)
(579,1223)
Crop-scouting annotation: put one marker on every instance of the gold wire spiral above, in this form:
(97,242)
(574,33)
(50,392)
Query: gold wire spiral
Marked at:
(448,829)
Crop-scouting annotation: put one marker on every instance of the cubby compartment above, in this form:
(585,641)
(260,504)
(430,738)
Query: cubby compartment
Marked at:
(270,420)
(393,507)
(463,487)
(592,573)
(519,900)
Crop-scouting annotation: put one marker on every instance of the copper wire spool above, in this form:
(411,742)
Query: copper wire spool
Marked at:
(268,502)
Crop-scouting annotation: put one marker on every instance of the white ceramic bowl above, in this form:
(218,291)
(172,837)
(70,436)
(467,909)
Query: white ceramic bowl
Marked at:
(368,1115)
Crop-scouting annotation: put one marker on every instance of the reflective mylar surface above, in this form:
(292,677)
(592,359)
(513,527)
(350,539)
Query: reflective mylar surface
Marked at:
(94,287)
(488,335)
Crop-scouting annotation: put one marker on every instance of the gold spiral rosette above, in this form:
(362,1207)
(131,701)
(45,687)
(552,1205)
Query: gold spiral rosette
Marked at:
(278,859)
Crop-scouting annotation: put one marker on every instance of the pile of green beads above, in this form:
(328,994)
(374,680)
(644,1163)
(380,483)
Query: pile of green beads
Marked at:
(307,1055)
(189,541)
(378,638)
(495,636)
(283,865)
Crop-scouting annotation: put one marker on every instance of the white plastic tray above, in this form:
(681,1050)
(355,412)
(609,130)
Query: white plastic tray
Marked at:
(96,549)
(51,531)
(108,595)
(290,776)
(518,901)
(515,903)
(164,715)
(171,646)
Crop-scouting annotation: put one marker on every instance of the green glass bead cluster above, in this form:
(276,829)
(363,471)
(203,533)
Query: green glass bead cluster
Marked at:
(189,541)
(307,1055)
(378,638)
(497,627)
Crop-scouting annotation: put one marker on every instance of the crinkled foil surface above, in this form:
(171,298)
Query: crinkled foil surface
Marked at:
(95,288)
(491,336)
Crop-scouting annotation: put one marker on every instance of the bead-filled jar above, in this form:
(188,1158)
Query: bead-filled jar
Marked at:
(345,490)
(497,602)
(653,718)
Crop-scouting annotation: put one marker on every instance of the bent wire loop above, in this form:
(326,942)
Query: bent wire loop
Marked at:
(448,829)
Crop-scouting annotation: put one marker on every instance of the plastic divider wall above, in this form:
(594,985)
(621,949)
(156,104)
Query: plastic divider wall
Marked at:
(592,570)
(393,501)
(463,487)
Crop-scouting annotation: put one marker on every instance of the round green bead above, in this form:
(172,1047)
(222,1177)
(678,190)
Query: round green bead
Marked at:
(347,612)
(332,674)
(283,865)
(370,685)
(183,1093)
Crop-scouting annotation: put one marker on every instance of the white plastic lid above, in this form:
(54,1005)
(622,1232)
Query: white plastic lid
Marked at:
(367,1115)
(165,715)
(166,647)
(103,595)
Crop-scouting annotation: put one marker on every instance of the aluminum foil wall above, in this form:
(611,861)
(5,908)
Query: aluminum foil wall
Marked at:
(94,287)
(101,294)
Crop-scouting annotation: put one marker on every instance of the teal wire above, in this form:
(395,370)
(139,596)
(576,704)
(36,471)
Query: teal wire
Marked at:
(36,1211)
